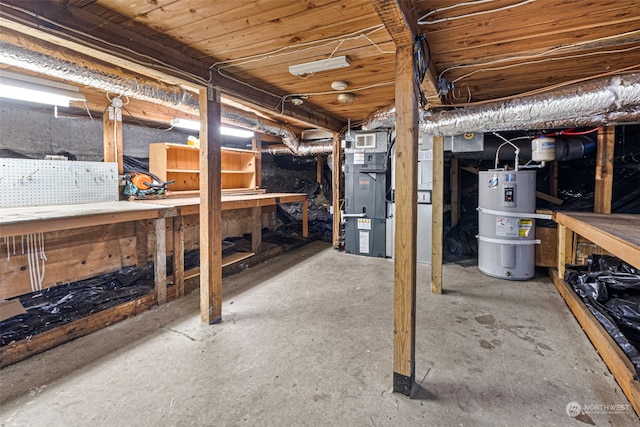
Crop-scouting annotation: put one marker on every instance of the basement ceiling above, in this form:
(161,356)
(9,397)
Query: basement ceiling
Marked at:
(484,49)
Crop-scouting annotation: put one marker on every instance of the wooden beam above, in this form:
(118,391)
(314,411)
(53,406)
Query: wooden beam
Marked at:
(178,254)
(160,259)
(404,310)
(112,137)
(562,248)
(455,192)
(256,230)
(38,343)
(335,182)
(256,145)
(401,21)
(604,169)
(549,198)
(210,208)
(319,166)
(437,213)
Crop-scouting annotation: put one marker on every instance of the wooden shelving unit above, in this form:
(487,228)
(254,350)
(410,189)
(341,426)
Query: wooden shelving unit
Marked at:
(617,234)
(182,163)
(238,170)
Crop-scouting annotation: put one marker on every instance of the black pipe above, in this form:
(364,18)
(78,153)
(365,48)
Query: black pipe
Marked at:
(567,148)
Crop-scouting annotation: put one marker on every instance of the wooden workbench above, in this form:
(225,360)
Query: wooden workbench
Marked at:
(41,219)
(619,235)
(191,206)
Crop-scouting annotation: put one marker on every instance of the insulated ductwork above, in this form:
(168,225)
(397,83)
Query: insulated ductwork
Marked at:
(600,102)
(169,95)
(288,137)
(157,93)
(282,150)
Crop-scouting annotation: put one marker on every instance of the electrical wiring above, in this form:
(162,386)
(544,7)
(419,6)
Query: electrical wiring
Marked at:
(453,6)
(421,63)
(539,54)
(301,47)
(632,68)
(504,67)
(570,132)
(468,15)
(86,107)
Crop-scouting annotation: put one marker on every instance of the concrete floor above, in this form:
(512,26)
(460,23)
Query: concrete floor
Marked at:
(306,339)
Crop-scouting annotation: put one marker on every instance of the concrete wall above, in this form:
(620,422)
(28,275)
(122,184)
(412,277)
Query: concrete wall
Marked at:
(38,132)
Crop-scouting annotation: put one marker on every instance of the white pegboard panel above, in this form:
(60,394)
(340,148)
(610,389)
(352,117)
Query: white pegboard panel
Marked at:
(26,182)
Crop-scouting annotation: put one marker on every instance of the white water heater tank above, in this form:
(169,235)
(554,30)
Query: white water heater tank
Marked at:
(506,223)
(543,149)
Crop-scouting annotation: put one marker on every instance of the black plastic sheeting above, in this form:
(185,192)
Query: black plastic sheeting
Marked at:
(59,305)
(610,289)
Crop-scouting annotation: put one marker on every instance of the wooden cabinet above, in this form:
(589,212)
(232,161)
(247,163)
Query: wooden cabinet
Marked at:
(182,163)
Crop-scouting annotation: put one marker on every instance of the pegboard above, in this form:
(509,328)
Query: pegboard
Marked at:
(26,182)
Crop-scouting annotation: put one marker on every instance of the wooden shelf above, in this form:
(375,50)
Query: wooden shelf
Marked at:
(184,170)
(182,163)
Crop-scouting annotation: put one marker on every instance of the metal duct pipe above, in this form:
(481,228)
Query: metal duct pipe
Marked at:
(589,102)
(600,102)
(288,137)
(282,150)
(383,118)
(158,93)
(169,95)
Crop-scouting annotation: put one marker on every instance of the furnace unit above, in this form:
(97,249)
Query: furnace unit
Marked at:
(366,193)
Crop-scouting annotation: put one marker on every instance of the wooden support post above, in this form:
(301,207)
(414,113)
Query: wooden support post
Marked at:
(604,169)
(319,166)
(160,259)
(256,230)
(437,200)
(256,145)
(455,192)
(562,246)
(210,208)
(305,218)
(335,180)
(404,291)
(178,254)
(566,250)
(112,137)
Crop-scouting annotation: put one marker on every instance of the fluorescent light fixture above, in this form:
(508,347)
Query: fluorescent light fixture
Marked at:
(41,91)
(185,124)
(224,130)
(240,133)
(322,65)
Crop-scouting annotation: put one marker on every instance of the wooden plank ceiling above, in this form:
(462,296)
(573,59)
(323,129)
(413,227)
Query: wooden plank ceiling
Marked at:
(489,49)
